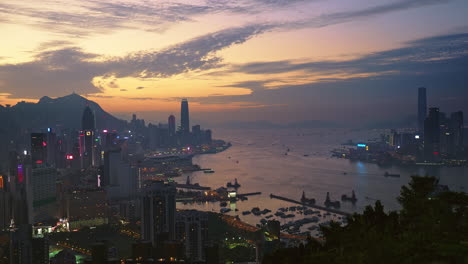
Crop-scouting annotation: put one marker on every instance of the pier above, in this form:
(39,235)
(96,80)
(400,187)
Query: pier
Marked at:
(192,187)
(323,208)
(248,194)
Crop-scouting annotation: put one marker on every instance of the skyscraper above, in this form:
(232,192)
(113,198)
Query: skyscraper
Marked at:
(38,149)
(456,128)
(158,210)
(432,135)
(172,125)
(422,108)
(87,121)
(184,117)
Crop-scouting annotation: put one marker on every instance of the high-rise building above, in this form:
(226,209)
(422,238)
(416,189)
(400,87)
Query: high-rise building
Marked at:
(184,117)
(172,125)
(432,135)
(158,209)
(5,204)
(456,130)
(88,121)
(422,108)
(192,230)
(38,149)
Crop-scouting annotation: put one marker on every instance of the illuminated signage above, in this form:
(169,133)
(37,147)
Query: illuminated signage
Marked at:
(20,174)
(361,145)
(69,157)
(416,137)
(1,182)
(88,133)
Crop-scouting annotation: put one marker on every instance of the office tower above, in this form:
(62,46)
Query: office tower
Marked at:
(432,135)
(111,159)
(422,108)
(197,136)
(184,117)
(456,130)
(192,230)
(51,147)
(44,192)
(158,210)
(5,204)
(86,141)
(172,125)
(208,136)
(87,121)
(38,149)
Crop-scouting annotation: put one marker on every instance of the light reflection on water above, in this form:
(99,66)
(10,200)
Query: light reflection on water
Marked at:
(257,159)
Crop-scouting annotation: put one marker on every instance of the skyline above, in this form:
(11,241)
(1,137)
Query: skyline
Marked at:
(271,60)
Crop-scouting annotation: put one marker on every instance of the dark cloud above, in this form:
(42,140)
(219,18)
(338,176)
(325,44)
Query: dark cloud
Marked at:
(439,63)
(62,71)
(123,90)
(104,17)
(427,52)
(140,88)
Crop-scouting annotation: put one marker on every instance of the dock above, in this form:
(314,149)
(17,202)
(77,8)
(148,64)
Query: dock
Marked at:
(192,187)
(323,208)
(248,194)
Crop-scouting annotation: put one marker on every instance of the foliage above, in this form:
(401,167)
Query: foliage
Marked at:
(432,227)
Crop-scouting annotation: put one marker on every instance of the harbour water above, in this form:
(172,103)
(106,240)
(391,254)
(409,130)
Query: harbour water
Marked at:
(261,162)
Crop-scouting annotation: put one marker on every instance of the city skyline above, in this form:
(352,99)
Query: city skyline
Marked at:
(281,61)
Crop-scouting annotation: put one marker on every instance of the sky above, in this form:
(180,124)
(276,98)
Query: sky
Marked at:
(282,61)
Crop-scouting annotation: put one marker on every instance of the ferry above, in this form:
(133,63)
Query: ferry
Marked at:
(209,171)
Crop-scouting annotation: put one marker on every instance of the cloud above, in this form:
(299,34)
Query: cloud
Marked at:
(140,88)
(59,72)
(426,51)
(439,63)
(123,90)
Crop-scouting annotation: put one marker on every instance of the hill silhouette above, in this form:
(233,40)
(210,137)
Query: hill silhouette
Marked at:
(62,112)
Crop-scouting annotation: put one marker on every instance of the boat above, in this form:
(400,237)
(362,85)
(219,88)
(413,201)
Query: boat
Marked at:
(306,155)
(208,171)
(386,174)
(223,204)
(330,203)
(225,210)
(352,199)
(246,213)
(235,185)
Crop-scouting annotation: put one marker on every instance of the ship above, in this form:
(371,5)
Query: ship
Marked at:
(329,203)
(352,199)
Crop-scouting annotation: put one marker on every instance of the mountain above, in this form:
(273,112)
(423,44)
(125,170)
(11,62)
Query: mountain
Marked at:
(64,112)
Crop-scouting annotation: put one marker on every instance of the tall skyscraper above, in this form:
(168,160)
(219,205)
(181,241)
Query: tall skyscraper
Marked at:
(38,149)
(432,135)
(172,125)
(87,121)
(158,210)
(184,117)
(422,108)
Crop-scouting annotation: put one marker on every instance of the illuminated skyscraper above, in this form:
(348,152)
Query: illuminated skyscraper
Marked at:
(422,108)
(38,149)
(184,117)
